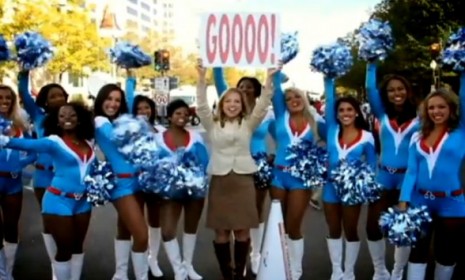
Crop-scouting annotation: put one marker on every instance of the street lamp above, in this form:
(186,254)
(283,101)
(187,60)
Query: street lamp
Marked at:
(109,28)
(435,50)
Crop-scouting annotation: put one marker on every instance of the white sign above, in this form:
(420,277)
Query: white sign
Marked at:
(240,39)
(162,84)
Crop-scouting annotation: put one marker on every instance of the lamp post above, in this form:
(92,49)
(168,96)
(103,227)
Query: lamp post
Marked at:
(436,49)
(109,28)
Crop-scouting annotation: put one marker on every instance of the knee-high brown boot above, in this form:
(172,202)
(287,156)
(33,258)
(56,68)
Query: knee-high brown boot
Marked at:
(241,251)
(223,255)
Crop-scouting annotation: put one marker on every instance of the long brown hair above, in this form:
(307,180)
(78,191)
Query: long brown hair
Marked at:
(13,112)
(427,125)
(220,116)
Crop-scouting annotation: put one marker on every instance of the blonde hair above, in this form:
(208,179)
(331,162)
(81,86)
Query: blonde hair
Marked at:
(13,112)
(308,113)
(220,116)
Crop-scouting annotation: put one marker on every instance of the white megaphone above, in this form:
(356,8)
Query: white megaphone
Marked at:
(274,262)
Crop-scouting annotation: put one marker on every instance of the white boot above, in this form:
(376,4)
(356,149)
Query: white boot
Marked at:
(174,256)
(377,252)
(335,254)
(188,246)
(10,254)
(140,265)
(296,253)
(77,260)
(122,252)
(442,272)
(154,247)
(3,266)
(256,236)
(401,255)
(416,271)
(51,248)
(351,255)
(62,270)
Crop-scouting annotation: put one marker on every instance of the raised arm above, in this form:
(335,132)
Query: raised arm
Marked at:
(43,145)
(462,100)
(411,175)
(263,103)
(30,106)
(370,153)
(372,91)
(203,109)
(129,91)
(220,83)
(278,99)
(330,111)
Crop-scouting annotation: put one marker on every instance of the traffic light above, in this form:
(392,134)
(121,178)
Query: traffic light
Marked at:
(157,60)
(162,60)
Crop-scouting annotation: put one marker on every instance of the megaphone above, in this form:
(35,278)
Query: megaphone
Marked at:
(274,263)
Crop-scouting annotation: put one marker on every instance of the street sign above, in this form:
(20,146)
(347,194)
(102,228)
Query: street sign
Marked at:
(162,84)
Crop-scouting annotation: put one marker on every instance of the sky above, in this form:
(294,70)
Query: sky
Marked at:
(317,21)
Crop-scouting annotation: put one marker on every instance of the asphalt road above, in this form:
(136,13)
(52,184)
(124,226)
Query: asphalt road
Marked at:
(32,262)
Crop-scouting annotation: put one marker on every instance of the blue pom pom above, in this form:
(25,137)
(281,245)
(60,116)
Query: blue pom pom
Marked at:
(375,40)
(99,183)
(5,54)
(135,140)
(307,162)
(333,60)
(289,46)
(129,56)
(264,173)
(454,54)
(354,182)
(180,176)
(5,126)
(404,228)
(33,50)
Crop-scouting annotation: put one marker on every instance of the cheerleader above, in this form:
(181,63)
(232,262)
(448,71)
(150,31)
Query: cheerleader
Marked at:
(49,98)
(174,138)
(64,207)
(293,121)
(432,179)
(347,138)
(232,206)
(396,111)
(11,166)
(144,106)
(252,88)
(109,104)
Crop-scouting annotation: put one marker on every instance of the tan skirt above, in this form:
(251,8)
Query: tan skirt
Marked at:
(231,202)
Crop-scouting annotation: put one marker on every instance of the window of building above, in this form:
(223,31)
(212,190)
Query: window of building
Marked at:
(154,11)
(155,2)
(145,6)
(75,79)
(145,17)
(133,1)
(131,11)
(145,29)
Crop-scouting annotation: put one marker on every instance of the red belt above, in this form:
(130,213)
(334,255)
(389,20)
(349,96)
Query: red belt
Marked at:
(433,195)
(126,175)
(392,170)
(58,192)
(42,167)
(9,175)
(282,167)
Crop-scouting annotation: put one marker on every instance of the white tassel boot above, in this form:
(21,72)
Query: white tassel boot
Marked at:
(154,247)
(443,272)
(10,254)
(335,254)
(351,255)
(62,270)
(401,255)
(256,236)
(377,252)
(122,253)
(296,253)
(188,246)
(3,266)
(51,248)
(77,260)
(174,256)
(416,271)
(140,265)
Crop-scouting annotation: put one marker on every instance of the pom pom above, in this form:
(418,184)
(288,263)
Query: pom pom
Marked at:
(99,183)
(355,183)
(404,228)
(289,46)
(307,162)
(5,126)
(129,56)
(177,177)
(5,54)
(375,40)
(135,140)
(454,54)
(32,50)
(264,173)
(333,60)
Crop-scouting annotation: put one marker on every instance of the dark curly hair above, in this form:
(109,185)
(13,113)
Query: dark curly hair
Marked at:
(360,122)
(409,108)
(174,105)
(42,96)
(257,86)
(141,98)
(103,94)
(84,129)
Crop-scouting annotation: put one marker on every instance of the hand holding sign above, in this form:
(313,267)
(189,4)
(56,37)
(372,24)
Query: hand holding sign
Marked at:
(201,70)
